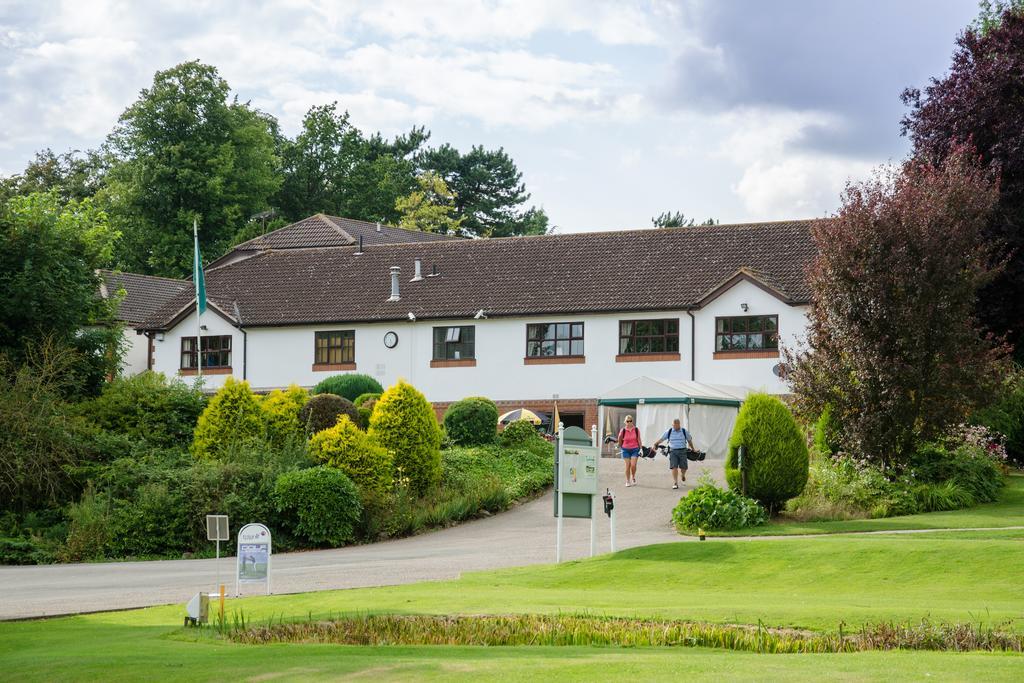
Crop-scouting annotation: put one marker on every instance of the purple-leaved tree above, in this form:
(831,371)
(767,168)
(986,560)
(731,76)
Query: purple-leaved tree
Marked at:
(894,345)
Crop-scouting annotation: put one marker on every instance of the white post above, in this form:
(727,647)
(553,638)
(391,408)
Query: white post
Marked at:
(560,451)
(218,560)
(594,507)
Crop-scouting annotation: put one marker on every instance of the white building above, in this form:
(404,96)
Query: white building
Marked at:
(139,296)
(521,320)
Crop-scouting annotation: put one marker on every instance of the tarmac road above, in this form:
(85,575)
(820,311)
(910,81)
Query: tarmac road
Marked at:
(522,536)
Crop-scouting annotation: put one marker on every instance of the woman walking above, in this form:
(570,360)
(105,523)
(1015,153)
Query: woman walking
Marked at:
(629,442)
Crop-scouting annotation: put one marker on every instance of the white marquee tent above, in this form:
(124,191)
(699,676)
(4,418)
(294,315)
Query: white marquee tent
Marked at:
(708,411)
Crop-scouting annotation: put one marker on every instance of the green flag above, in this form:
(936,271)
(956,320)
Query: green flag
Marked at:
(197,273)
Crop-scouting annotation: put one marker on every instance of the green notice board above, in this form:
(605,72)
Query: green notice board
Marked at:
(578,505)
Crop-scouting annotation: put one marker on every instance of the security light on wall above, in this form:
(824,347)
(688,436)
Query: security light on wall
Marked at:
(480,315)
(412,317)
(745,307)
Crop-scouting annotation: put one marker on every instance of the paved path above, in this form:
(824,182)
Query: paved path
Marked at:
(523,536)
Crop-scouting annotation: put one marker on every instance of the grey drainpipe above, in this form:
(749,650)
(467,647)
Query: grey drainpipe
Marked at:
(693,357)
(245,339)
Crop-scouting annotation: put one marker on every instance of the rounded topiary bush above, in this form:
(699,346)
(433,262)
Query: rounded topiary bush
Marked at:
(232,417)
(321,412)
(472,421)
(320,505)
(403,421)
(776,459)
(281,410)
(518,433)
(350,385)
(355,453)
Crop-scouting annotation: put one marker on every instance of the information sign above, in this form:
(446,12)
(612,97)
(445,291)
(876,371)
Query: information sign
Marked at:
(579,469)
(254,552)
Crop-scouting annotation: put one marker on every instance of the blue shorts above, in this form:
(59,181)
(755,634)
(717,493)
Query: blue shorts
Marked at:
(628,453)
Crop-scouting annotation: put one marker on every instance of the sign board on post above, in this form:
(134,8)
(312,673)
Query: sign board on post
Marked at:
(254,551)
(577,457)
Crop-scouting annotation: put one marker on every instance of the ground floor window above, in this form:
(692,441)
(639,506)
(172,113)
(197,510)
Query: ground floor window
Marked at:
(747,333)
(335,347)
(216,352)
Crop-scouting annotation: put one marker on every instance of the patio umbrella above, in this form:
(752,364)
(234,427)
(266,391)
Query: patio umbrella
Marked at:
(523,414)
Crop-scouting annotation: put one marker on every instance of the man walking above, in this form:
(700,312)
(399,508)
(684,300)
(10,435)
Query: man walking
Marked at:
(678,438)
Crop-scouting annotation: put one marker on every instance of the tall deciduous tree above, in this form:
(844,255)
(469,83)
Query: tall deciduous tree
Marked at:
(430,207)
(49,287)
(895,350)
(979,102)
(489,190)
(331,167)
(185,151)
(72,175)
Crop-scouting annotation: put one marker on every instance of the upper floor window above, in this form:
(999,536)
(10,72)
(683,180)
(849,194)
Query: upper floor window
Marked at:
(649,336)
(337,346)
(554,339)
(455,343)
(216,352)
(747,333)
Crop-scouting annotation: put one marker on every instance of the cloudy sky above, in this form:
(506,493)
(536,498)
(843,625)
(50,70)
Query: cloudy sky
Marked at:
(614,111)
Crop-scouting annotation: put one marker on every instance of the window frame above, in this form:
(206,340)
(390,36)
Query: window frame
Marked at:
(554,340)
(445,344)
(746,333)
(633,337)
(346,343)
(222,350)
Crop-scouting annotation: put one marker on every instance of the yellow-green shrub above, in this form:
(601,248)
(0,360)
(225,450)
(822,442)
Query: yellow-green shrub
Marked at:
(347,448)
(775,459)
(281,414)
(404,422)
(232,417)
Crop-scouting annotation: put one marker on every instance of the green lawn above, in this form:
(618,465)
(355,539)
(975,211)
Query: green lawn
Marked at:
(804,582)
(1007,511)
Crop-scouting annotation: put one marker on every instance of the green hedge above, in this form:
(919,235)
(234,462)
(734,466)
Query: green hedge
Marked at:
(147,406)
(776,459)
(472,421)
(711,508)
(519,433)
(349,385)
(320,505)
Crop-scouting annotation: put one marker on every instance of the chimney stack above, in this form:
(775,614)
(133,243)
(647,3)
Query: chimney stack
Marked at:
(378,226)
(418,275)
(395,270)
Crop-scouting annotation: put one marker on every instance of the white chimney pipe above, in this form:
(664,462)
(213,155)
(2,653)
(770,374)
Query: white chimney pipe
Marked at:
(378,226)
(418,275)
(395,270)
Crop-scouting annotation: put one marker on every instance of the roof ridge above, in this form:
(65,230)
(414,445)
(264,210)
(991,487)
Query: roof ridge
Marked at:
(330,221)
(108,271)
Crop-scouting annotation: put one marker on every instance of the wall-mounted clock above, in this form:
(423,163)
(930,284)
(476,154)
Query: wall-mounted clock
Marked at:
(391,340)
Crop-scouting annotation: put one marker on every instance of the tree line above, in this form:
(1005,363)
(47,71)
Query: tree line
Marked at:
(188,150)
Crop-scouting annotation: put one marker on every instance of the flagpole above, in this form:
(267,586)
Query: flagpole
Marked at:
(196,270)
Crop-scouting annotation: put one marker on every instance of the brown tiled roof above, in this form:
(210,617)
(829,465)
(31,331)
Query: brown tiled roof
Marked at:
(568,273)
(332,231)
(144,294)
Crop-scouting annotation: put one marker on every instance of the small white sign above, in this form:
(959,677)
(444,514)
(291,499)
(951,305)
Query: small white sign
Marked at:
(254,552)
(217,528)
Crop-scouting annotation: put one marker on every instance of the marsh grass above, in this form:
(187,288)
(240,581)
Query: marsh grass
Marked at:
(586,630)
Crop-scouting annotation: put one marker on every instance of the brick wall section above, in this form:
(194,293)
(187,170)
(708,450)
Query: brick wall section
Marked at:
(587,406)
